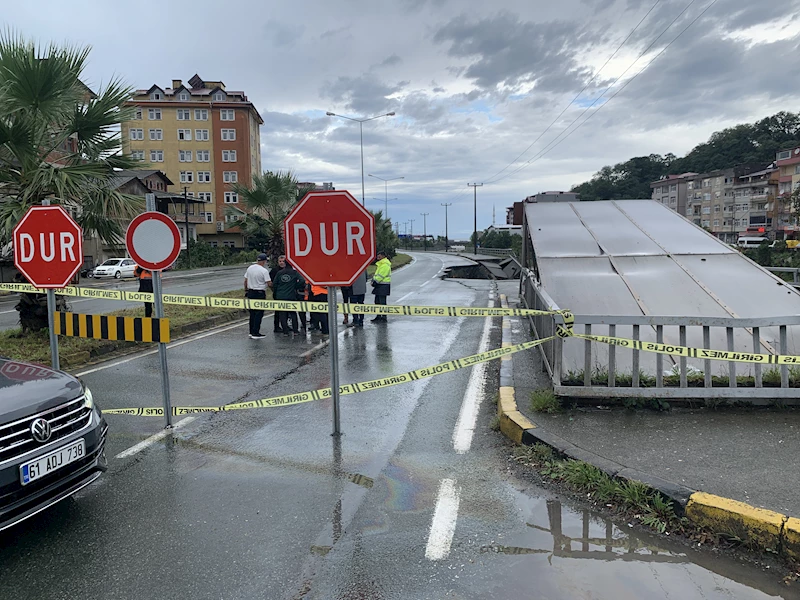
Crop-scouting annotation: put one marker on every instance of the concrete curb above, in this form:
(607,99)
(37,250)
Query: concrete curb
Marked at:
(758,527)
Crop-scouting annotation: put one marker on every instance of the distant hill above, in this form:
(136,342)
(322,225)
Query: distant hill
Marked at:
(750,143)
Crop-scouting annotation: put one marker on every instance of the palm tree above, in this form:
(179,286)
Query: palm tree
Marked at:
(269,200)
(58,140)
(385,237)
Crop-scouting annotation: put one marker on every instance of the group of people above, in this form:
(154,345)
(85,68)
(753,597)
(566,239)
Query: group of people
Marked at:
(287,284)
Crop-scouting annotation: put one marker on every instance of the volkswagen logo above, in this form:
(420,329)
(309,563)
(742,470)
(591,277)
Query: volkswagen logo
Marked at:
(40,429)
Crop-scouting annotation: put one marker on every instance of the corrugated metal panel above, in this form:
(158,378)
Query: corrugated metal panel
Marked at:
(558,231)
(670,230)
(614,230)
(703,277)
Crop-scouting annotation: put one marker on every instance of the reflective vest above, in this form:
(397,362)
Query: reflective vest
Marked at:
(383,271)
(319,290)
(143,273)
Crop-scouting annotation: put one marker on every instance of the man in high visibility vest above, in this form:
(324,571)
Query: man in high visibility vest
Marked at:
(381,283)
(319,293)
(145,278)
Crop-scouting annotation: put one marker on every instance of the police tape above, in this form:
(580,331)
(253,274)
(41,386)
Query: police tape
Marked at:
(285,305)
(691,352)
(345,389)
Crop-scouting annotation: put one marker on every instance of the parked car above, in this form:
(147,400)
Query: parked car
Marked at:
(52,439)
(116,267)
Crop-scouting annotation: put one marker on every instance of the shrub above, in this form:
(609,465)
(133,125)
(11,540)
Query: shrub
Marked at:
(545,401)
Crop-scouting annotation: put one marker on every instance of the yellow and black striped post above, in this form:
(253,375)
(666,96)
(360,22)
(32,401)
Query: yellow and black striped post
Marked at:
(109,327)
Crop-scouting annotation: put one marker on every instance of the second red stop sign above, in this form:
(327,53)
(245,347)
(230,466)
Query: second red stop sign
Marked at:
(330,238)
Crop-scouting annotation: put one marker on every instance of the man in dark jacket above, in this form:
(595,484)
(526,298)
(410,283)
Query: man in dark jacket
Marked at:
(286,285)
(276,323)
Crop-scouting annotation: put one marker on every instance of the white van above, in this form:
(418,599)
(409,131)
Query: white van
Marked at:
(751,242)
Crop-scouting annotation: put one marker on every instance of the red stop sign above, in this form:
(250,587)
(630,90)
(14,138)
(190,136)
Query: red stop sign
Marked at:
(48,246)
(330,238)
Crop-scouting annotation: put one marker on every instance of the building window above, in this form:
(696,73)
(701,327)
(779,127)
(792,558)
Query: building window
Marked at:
(136,134)
(229,156)
(213,243)
(706,223)
(156,134)
(690,185)
(230,176)
(204,177)
(184,114)
(706,210)
(673,188)
(203,156)
(219,97)
(154,114)
(716,208)
(156,156)
(185,155)
(233,218)
(226,114)
(205,197)
(231,198)
(185,134)
(201,114)
(228,135)
(716,222)
(156,96)
(187,177)
(784,155)
(183,97)
(137,154)
(228,244)
(706,183)
(138,114)
(209,217)
(201,135)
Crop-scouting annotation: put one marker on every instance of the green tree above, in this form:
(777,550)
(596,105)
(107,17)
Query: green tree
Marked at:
(58,140)
(385,237)
(269,200)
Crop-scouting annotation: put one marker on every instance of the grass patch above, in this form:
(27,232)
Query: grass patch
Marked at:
(494,424)
(545,401)
(35,347)
(632,498)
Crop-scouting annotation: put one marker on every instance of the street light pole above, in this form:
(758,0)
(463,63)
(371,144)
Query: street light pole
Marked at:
(425,230)
(475,187)
(385,192)
(361,135)
(445,224)
(412,233)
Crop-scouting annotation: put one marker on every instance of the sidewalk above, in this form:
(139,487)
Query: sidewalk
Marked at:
(745,455)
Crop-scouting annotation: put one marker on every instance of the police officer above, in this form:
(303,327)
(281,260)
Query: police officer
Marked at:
(381,283)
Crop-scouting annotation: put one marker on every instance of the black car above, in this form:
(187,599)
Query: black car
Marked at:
(52,439)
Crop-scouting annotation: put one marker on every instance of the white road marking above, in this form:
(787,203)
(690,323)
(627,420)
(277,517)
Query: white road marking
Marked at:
(153,439)
(426,283)
(404,297)
(465,426)
(443,525)
(150,352)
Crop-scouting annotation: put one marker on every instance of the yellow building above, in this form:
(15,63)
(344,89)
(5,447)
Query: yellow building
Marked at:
(205,138)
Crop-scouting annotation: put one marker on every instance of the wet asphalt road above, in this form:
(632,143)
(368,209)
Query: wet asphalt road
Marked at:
(197,282)
(267,504)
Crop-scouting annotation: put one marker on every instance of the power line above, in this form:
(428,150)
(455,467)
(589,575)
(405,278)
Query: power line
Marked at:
(556,141)
(578,95)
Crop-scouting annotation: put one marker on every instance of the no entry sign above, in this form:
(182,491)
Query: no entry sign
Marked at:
(330,238)
(48,246)
(153,241)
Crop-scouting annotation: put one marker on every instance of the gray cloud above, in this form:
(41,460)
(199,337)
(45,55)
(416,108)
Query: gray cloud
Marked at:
(507,50)
(363,94)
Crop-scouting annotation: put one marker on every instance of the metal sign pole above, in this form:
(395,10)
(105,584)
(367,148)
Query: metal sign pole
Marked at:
(333,331)
(162,349)
(51,324)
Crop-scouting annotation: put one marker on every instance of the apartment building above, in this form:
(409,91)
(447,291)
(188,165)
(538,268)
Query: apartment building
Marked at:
(204,138)
(672,191)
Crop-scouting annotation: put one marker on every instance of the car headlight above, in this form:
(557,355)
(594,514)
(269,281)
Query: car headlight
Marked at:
(88,398)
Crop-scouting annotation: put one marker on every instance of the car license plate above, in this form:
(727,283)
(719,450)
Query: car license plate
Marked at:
(31,471)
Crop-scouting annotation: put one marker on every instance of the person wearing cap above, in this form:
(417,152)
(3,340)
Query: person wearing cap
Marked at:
(381,283)
(256,280)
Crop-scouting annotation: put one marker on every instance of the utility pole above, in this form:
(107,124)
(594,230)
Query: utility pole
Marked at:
(445,225)
(186,224)
(412,233)
(475,187)
(425,230)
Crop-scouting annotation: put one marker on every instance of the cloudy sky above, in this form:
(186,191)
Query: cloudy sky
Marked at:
(474,84)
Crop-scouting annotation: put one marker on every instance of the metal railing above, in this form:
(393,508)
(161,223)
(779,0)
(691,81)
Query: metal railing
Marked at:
(793,270)
(609,371)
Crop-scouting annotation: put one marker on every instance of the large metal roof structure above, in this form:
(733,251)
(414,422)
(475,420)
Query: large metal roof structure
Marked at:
(638,257)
